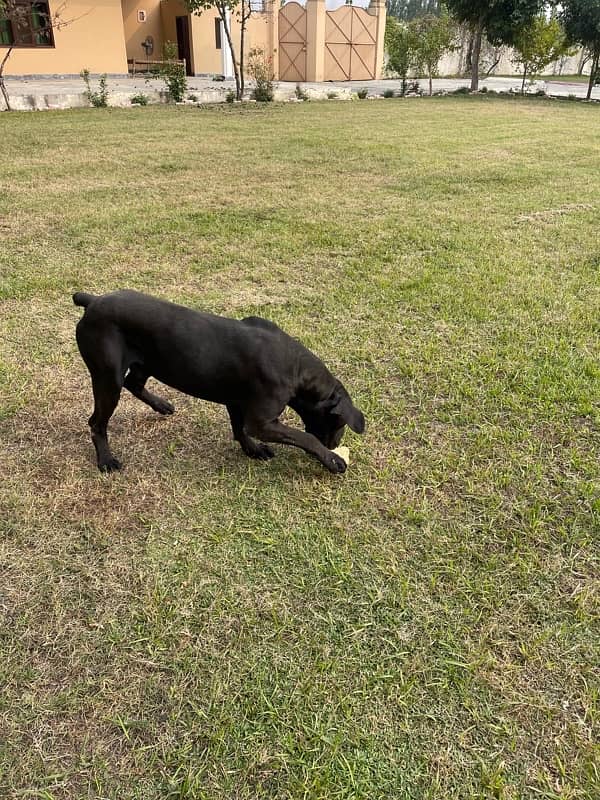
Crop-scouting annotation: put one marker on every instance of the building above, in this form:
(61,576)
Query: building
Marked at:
(304,42)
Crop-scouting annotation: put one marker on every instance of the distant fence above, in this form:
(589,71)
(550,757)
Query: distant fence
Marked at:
(137,66)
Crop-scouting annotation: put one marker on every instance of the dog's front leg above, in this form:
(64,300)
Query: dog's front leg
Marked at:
(249,446)
(275,431)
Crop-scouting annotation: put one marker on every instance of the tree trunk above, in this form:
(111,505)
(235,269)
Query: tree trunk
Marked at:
(475,56)
(524,76)
(585,57)
(469,56)
(497,57)
(242,32)
(236,72)
(593,74)
(430,85)
(2,84)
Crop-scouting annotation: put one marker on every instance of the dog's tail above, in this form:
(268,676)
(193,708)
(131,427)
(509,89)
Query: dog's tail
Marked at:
(83,299)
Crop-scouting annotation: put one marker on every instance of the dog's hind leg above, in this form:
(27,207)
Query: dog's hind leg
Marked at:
(252,449)
(106,397)
(135,382)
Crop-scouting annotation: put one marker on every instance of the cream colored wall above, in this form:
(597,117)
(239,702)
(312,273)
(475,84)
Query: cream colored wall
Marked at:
(453,64)
(94,40)
(259,33)
(136,32)
(207,59)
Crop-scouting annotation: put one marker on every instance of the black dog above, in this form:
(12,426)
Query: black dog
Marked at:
(251,366)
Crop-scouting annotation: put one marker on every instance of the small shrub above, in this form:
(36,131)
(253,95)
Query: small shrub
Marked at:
(301,94)
(572,97)
(388,93)
(413,87)
(230,96)
(483,90)
(260,68)
(332,95)
(98,99)
(140,99)
(462,90)
(172,73)
(193,98)
(362,93)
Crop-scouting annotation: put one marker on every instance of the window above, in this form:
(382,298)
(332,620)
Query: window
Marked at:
(218,33)
(27,24)
(258,6)
(6,34)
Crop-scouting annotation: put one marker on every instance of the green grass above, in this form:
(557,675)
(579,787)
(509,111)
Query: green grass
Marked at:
(204,626)
(567,78)
(551,78)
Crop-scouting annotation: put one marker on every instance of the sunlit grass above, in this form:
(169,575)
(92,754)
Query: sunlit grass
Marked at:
(205,626)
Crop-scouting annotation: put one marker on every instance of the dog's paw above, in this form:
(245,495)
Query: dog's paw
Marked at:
(336,464)
(262,452)
(112,464)
(164,407)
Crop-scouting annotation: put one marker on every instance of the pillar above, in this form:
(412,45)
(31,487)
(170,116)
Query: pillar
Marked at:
(272,10)
(315,40)
(377,9)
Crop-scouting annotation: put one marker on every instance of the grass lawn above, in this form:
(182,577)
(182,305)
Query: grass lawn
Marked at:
(553,78)
(567,78)
(205,626)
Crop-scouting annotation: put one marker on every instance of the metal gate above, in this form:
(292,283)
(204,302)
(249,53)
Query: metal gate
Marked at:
(292,42)
(350,44)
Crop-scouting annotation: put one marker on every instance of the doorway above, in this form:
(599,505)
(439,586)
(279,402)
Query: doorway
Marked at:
(182,25)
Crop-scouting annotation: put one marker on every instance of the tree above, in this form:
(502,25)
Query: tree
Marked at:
(409,9)
(401,48)
(225,8)
(581,19)
(538,44)
(434,36)
(499,20)
(22,17)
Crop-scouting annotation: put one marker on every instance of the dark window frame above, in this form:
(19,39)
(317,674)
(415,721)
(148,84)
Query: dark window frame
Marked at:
(218,42)
(6,32)
(8,26)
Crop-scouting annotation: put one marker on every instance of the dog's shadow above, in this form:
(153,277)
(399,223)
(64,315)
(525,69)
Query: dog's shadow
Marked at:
(197,437)
(49,452)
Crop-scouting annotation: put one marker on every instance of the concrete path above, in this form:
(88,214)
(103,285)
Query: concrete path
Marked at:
(49,93)
(555,88)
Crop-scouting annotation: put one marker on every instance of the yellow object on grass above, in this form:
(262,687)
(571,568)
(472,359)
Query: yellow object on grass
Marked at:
(343,452)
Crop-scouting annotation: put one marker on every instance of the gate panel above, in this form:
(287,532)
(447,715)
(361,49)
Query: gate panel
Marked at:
(292,42)
(337,62)
(350,44)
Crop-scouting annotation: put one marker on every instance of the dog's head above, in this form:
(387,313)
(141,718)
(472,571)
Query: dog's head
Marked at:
(327,418)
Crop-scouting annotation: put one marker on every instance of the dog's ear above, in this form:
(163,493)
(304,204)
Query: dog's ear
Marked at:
(345,409)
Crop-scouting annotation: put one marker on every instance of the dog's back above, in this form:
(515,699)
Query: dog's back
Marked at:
(206,355)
